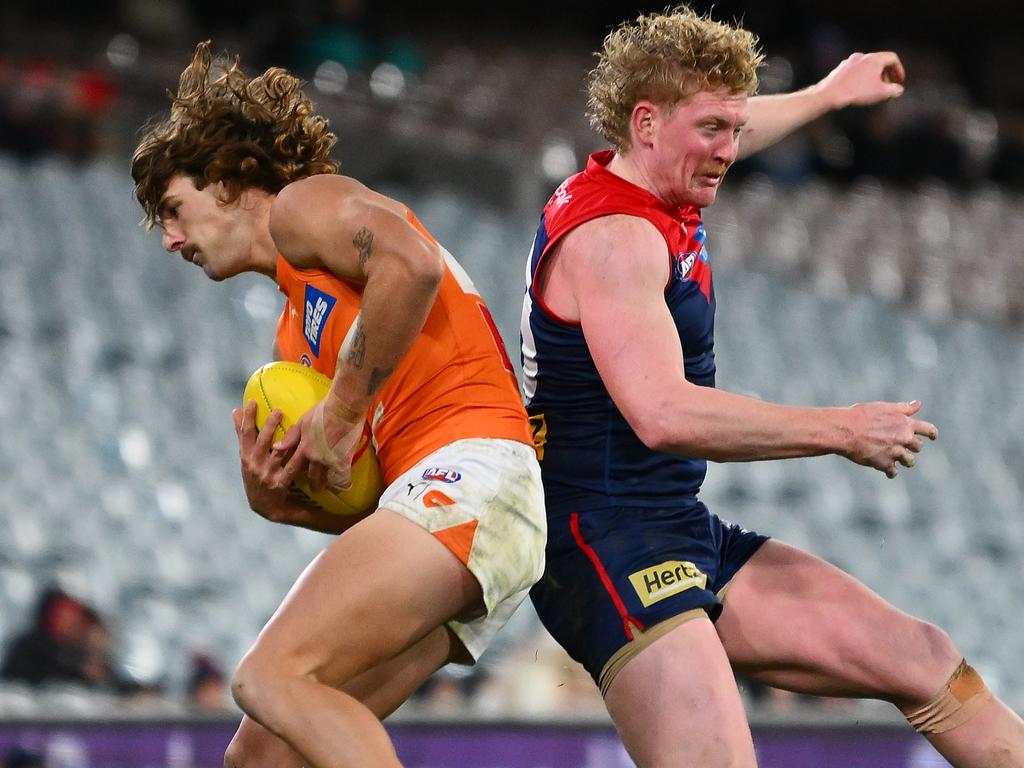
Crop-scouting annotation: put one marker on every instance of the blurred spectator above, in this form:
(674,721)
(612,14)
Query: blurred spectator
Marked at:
(67,642)
(1008,167)
(17,757)
(48,107)
(207,686)
(76,99)
(444,693)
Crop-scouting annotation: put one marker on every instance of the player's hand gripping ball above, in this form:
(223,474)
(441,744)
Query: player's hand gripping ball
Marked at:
(293,389)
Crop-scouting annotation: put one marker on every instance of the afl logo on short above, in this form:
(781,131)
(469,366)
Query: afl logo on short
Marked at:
(442,474)
(306,361)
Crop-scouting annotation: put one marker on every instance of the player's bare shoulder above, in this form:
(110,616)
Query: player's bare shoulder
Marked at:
(611,244)
(305,215)
(336,223)
(315,219)
(588,262)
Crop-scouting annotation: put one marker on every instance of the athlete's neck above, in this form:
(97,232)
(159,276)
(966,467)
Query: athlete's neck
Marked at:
(626,167)
(263,251)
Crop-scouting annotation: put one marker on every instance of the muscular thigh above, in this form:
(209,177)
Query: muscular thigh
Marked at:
(676,703)
(253,746)
(376,590)
(798,622)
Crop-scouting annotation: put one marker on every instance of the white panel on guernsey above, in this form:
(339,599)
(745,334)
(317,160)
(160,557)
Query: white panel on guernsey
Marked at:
(461,277)
(529,346)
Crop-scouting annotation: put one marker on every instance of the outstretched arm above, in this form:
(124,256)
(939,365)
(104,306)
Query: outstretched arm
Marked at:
(861,79)
(633,341)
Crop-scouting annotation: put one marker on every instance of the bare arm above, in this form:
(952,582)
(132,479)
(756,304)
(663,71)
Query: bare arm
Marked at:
(633,340)
(860,80)
(336,224)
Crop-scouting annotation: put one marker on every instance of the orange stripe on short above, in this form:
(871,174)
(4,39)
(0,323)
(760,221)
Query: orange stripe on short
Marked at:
(459,539)
(437,498)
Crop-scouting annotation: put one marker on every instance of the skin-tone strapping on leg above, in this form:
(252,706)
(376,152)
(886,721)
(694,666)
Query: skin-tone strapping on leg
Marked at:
(641,640)
(960,699)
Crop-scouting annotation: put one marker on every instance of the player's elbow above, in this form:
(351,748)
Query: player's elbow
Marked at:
(426,265)
(650,421)
(654,433)
(663,434)
(411,255)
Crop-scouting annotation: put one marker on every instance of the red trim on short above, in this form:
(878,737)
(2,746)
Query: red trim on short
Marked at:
(627,620)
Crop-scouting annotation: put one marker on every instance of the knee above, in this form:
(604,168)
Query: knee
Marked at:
(932,657)
(252,684)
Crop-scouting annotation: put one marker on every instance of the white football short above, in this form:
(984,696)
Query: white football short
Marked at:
(483,499)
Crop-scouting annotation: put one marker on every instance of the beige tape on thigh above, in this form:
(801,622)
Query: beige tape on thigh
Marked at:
(958,701)
(641,639)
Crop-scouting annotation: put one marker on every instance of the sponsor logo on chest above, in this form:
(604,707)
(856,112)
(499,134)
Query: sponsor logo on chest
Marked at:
(317,309)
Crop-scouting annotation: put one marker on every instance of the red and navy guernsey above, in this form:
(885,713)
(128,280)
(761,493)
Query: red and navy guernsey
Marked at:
(590,456)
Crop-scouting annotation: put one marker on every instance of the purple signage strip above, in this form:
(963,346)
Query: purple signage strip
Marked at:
(201,744)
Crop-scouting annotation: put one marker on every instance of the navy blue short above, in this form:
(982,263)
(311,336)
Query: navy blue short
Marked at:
(609,570)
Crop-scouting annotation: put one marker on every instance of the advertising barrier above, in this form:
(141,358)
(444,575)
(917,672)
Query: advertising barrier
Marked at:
(200,744)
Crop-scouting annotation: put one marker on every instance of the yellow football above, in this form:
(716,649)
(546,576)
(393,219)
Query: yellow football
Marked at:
(293,389)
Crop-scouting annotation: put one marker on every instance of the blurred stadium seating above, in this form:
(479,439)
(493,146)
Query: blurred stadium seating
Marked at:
(123,364)
(845,270)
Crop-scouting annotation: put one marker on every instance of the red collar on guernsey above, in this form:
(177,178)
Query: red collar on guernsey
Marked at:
(597,168)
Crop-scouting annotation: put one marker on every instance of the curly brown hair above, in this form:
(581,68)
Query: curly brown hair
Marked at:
(225,127)
(666,58)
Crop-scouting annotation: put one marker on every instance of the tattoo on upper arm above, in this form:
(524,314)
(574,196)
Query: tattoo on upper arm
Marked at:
(357,348)
(363,241)
(377,377)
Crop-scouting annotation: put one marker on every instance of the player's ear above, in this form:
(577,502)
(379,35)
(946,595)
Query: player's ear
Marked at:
(642,122)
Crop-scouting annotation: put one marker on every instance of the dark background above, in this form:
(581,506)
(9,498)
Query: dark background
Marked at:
(962,120)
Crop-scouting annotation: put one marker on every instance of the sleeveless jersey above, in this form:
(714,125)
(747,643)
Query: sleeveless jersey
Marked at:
(590,456)
(454,382)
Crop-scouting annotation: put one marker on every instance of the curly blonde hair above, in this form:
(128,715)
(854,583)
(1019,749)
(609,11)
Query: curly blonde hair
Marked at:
(225,127)
(666,58)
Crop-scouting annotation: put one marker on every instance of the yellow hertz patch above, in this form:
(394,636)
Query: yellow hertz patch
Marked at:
(666,579)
